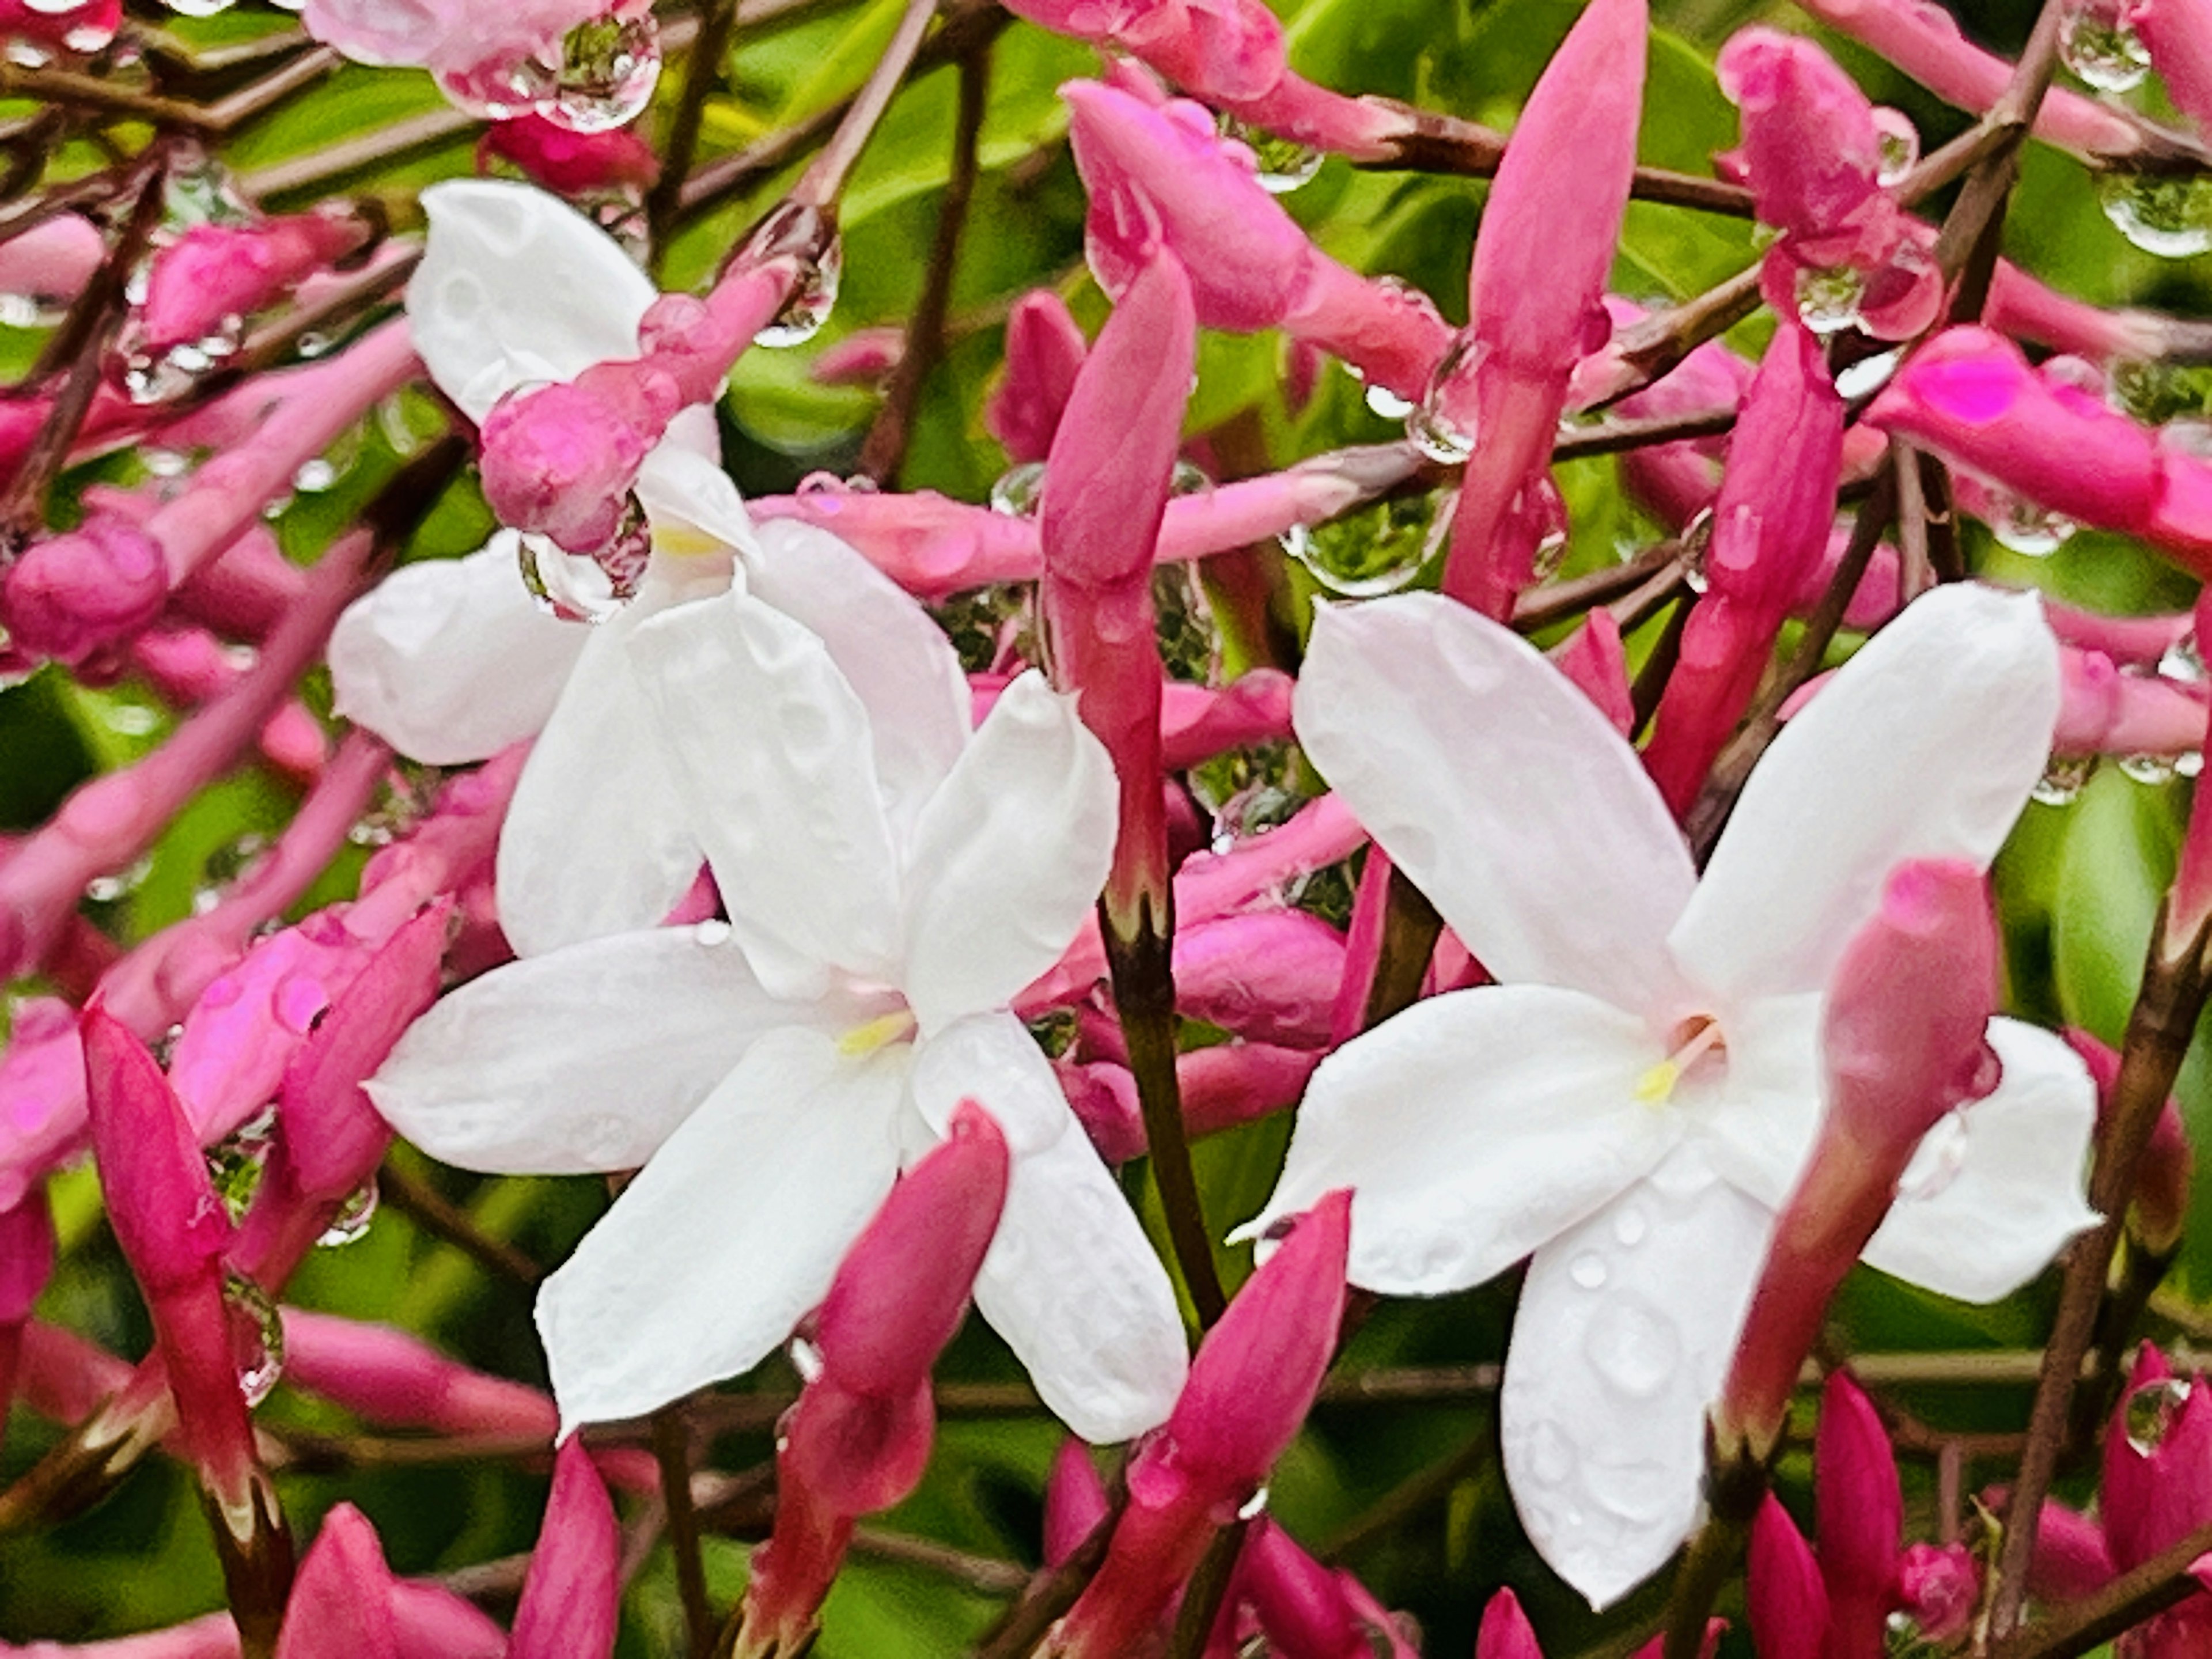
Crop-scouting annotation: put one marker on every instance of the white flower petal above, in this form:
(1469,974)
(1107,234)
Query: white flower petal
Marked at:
(1759,1131)
(1008,855)
(730,1235)
(1472,1129)
(992,1059)
(893,655)
(685,489)
(585,1060)
(517,286)
(773,752)
(1924,745)
(1071,1283)
(450,660)
(1502,791)
(599,838)
(1626,1329)
(1997,1189)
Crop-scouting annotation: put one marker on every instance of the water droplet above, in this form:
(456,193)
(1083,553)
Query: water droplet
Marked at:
(1868,375)
(352,1219)
(235,1164)
(805,1359)
(299,1000)
(1253,1507)
(1387,404)
(1828,298)
(1897,143)
(1634,1346)
(813,297)
(1017,491)
(2062,779)
(2148,768)
(2171,217)
(1379,548)
(1188,478)
(1280,165)
(1938,1161)
(711,933)
(581,587)
(2098,42)
(25,54)
(1550,1453)
(120,883)
(1189,638)
(1249,790)
(1442,427)
(608,67)
(2024,527)
(1551,513)
(2152,1411)
(1588,1270)
(30,311)
(257,1337)
(198,8)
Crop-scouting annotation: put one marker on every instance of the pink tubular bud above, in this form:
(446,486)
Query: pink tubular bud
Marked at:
(865,358)
(571,1599)
(2189,906)
(213,273)
(1938,1588)
(163,1209)
(2102,710)
(2160,1204)
(1231,1083)
(560,461)
(1596,660)
(1270,976)
(341,1606)
(2178,35)
(1536,288)
(1810,151)
(1045,350)
(2070,1559)
(396,1380)
(26,1260)
(1075,1501)
(571,163)
(1770,528)
(1506,1632)
(50,264)
(1903,1042)
(1862,1516)
(2158,1462)
(74,594)
(1308,1611)
(1787,1602)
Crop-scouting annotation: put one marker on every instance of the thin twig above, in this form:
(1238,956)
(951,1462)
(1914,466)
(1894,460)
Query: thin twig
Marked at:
(1448,144)
(2082,1627)
(446,1221)
(1049,1594)
(823,181)
(703,73)
(671,1449)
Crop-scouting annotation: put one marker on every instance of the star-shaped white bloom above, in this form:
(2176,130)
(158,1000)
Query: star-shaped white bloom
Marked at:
(451,660)
(1633,1101)
(892,880)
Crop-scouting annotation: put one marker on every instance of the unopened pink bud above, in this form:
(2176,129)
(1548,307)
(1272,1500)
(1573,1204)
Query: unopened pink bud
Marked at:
(1308,1611)
(1938,1588)
(571,163)
(1811,151)
(1596,659)
(1075,1501)
(572,1596)
(397,1379)
(1506,1632)
(561,461)
(2071,1560)
(865,358)
(215,273)
(2179,36)
(1045,349)
(1270,976)
(1861,1514)
(74,594)
(2158,1462)
(50,264)
(341,1606)
(1784,1595)
(27,1257)
(163,1208)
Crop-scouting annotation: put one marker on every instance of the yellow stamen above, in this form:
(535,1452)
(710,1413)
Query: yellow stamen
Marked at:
(1656,1086)
(875,1034)
(680,541)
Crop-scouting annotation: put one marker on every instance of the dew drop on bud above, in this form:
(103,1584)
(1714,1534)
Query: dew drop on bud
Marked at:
(608,67)
(2098,42)
(1249,790)
(2151,1412)
(1867,376)
(805,1359)
(2064,780)
(585,588)
(119,884)
(1254,1507)
(2182,662)
(352,1219)
(1828,298)
(257,1337)
(813,297)
(1897,146)
(198,8)
(1550,512)
(1018,490)
(1378,548)
(2152,769)
(236,1163)
(1442,426)
(2171,217)
(1188,478)
(1280,165)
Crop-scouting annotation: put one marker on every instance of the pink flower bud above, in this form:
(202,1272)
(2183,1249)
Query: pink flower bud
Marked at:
(572,1596)
(1307,1610)
(1938,1588)
(27,1260)
(50,264)
(214,272)
(163,1209)
(571,163)
(396,1380)
(1227,1083)
(2070,1560)
(560,461)
(1506,1632)
(2158,1462)
(72,595)
(1861,1515)
(1811,151)
(1074,1501)
(2160,1204)
(1596,660)
(2104,711)
(2179,36)
(1784,1593)
(341,1606)
(1045,349)
(1903,1041)
(85,26)
(1534,292)
(1270,976)
(865,358)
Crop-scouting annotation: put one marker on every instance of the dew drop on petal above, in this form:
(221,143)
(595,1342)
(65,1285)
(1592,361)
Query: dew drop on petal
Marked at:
(2062,779)
(1588,1270)
(1828,299)
(2098,42)
(711,933)
(1253,1507)
(1550,1453)
(1018,490)
(1280,165)
(1442,426)
(352,1218)
(1377,549)
(2151,1412)
(813,297)
(1867,376)
(608,66)
(569,586)
(1896,142)
(805,1359)
(2169,216)
(2145,769)
(236,1163)
(257,1337)
(1629,1226)
(1634,1346)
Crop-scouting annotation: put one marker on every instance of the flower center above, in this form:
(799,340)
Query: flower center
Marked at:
(680,541)
(1692,1040)
(878,1033)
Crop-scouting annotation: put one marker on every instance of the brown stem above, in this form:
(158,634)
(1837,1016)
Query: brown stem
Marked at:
(1051,1594)
(1735,1481)
(1611,437)
(1411,927)
(823,181)
(1916,571)
(1538,608)
(702,72)
(1659,667)
(2082,1627)
(331,165)
(446,1221)
(1208,1588)
(1448,144)
(671,1449)
(885,448)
